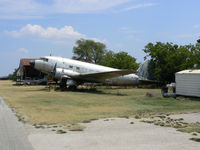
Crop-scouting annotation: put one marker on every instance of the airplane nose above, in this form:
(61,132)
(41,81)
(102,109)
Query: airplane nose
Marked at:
(32,63)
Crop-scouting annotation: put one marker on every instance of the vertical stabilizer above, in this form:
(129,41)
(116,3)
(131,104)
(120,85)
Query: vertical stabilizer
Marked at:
(142,71)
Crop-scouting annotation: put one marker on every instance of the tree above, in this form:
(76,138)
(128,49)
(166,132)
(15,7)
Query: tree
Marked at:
(121,60)
(13,76)
(89,51)
(195,55)
(167,58)
(108,59)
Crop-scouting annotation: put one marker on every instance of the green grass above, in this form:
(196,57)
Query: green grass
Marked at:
(61,132)
(195,139)
(39,106)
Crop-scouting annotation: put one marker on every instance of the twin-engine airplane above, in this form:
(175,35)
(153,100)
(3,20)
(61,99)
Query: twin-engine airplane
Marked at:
(73,72)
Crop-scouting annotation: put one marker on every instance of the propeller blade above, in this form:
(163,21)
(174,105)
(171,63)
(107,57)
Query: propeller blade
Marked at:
(54,70)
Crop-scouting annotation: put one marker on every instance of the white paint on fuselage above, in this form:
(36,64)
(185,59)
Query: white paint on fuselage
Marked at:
(83,67)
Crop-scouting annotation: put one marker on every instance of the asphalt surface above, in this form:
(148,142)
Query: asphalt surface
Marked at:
(12,133)
(117,134)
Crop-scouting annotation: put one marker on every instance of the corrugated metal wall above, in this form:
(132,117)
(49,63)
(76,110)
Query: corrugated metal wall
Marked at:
(188,84)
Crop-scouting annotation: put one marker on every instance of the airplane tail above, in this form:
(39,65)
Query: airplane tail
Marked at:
(143,71)
(146,76)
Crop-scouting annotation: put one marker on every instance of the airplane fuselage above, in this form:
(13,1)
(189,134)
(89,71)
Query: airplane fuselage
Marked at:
(75,67)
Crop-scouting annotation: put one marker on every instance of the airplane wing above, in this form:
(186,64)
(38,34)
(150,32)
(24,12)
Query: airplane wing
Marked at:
(101,76)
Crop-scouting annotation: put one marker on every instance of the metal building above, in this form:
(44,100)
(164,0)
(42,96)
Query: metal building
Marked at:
(188,83)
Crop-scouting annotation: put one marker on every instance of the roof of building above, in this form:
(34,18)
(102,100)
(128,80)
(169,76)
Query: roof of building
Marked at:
(25,62)
(189,72)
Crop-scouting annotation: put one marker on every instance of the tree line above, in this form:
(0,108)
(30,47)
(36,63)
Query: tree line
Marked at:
(165,59)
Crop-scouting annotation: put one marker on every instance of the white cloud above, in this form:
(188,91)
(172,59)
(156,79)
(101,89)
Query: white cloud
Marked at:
(98,40)
(23,50)
(32,8)
(85,6)
(9,6)
(138,6)
(60,36)
(19,9)
(23,9)
(66,32)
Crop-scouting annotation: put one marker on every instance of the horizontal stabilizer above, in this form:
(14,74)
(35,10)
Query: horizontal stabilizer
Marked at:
(144,81)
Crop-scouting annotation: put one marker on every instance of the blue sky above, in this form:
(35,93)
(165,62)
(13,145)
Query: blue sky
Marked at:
(35,28)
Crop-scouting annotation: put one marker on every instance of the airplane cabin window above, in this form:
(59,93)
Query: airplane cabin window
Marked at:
(71,67)
(78,68)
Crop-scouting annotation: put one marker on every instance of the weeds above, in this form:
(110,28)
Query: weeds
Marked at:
(137,117)
(60,132)
(86,121)
(194,134)
(75,127)
(195,139)
(147,121)
(20,118)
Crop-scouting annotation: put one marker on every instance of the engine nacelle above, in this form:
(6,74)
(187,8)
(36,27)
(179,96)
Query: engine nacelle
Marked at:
(64,73)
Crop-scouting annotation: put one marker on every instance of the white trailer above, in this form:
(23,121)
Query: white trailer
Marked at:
(188,83)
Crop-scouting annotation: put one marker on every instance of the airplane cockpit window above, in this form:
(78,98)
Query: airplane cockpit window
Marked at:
(44,59)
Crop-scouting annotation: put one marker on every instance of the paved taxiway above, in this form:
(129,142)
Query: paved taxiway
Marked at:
(116,134)
(12,133)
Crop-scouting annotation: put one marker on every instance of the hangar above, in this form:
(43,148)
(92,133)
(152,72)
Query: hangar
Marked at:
(26,72)
(188,83)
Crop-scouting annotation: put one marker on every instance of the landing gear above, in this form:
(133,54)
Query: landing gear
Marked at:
(63,84)
(68,84)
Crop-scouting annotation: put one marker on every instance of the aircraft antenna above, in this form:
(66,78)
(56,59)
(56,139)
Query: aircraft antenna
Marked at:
(51,52)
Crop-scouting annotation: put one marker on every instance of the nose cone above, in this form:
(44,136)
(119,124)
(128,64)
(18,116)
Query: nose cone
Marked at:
(32,63)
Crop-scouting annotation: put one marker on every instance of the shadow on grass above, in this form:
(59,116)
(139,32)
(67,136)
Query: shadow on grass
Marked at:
(191,98)
(17,84)
(117,87)
(83,90)
(91,91)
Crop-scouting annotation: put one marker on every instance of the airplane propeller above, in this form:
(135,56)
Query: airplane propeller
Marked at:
(53,72)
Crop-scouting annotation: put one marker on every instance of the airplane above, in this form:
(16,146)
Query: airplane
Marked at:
(73,72)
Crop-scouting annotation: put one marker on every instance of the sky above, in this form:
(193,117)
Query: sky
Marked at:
(35,28)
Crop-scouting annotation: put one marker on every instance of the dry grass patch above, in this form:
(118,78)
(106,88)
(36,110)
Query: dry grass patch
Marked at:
(39,106)
(75,127)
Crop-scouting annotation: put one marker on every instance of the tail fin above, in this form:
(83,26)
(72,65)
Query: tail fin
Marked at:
(143,72)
